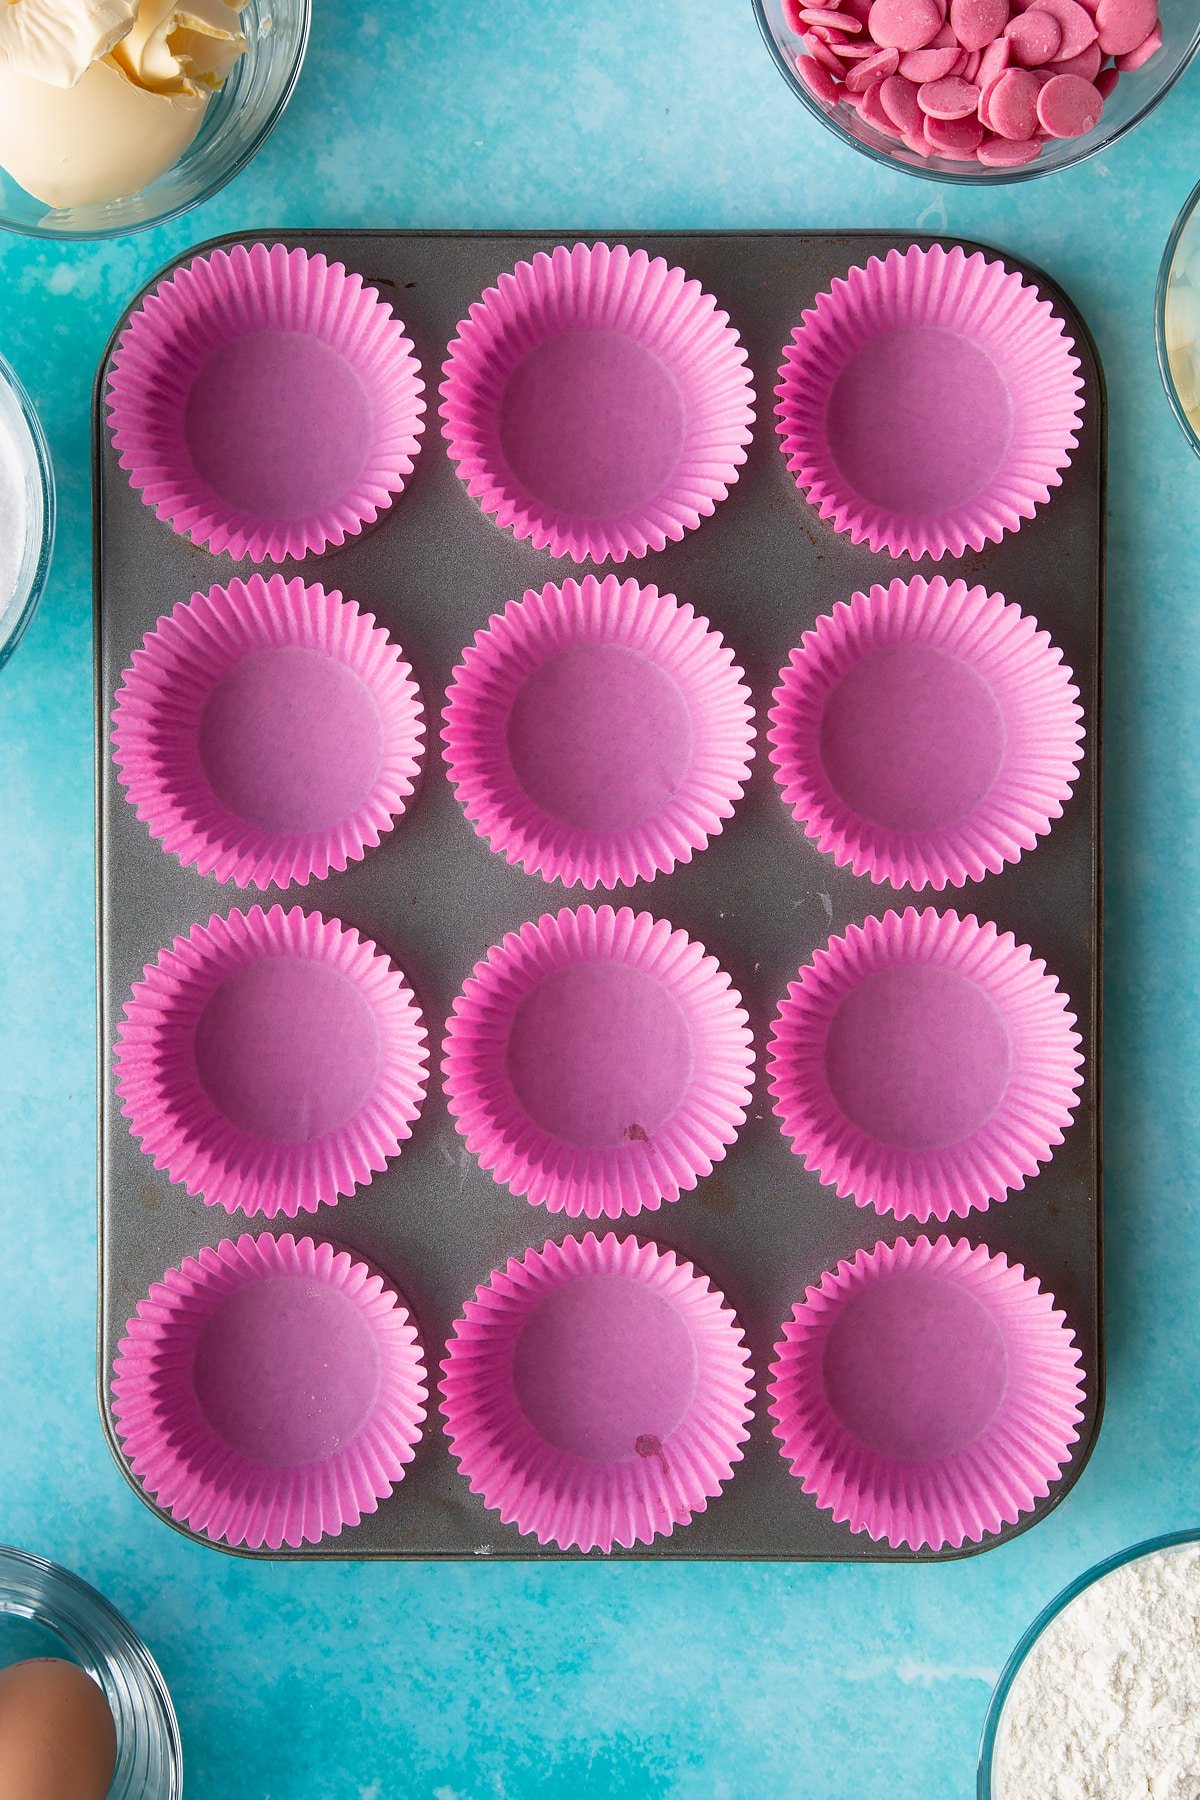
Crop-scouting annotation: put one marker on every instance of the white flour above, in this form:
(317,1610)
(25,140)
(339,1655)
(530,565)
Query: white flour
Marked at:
(14,515)
(1107,1705)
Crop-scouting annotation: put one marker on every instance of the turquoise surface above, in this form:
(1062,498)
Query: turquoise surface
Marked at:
(297,1682)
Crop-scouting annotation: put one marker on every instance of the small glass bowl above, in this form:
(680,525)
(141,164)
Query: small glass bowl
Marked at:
(20,422)
(1135,95)
(237,122)
(47,1611)
(991,1745)
(1179,363)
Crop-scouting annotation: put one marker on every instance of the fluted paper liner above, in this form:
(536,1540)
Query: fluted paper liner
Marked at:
(268,732)
(271,1061)
(598,1062)
(926,733)
(925,1064)
(596,1392)
(265,402)
(270,1391)
(596,402)
(929,402)
(598,732)
(927,1393)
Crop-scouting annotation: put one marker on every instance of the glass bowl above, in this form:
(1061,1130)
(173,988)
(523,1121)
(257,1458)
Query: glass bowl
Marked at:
(20,423)
(47,1611)
(991,1746)
(1177,331)
(1136,94)
(237,122)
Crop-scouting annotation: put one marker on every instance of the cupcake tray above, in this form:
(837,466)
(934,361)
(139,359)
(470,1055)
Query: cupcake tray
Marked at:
(761,897)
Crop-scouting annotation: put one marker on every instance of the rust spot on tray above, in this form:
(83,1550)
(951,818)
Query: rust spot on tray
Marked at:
(716,1196)
(648,1445)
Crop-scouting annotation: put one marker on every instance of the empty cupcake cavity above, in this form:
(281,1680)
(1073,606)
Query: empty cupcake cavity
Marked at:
(598,1062)
(267,1344)
(271,1061)
(286,1049)
(596,402)
(290,740)
(929,402)
(596,1392)
(926,1392)
(268,732)
(924,1064)
(926,733)
(915,1368)
(631,1362)
(269,1391)
(598,732)
(266,402)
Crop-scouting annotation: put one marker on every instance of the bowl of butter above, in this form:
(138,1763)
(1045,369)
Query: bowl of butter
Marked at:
(118,114)
(1177,319)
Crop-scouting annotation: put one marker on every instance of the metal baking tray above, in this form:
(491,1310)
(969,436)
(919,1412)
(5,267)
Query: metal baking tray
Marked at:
(761,897)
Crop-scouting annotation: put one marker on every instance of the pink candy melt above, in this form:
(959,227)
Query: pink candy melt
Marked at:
(905,24)
(1035,38)
(1068,106)
(956,138)
(976,23)
(1124,24)
(1149,46)
(876,69)
(1002,153)
(898,97)
(953,98)
(818,80)
(986,80)
(1074,22)
(1012,105)
(929,65)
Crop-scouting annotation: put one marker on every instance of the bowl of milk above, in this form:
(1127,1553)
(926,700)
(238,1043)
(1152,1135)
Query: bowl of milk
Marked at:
(26,511)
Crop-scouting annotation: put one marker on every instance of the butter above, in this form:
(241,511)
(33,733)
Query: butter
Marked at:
(103,139)
(181,49)
(57,41)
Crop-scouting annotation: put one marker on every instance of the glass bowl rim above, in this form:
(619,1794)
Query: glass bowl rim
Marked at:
(969,174)
(45,468)
(33,1587)
(245,155)
(1170,1540)
(1186,213)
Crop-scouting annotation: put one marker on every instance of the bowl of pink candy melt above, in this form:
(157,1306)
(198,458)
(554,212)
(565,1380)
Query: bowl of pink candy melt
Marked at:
(980,90)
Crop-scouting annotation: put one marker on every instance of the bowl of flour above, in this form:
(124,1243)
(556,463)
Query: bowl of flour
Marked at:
(26,511)
(1101,1698)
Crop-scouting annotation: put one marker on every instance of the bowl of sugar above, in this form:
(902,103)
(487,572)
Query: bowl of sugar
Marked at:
(1102,1695)
(26,511)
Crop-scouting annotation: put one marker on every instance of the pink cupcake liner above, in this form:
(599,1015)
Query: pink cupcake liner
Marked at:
(926,733)
(271,1061)
(598,732)
(266,403)
(929,402)
(268,732)
(927,1393)
(269,1392)
(597,403)
(924,1064)
(596,1392)
(598,1062)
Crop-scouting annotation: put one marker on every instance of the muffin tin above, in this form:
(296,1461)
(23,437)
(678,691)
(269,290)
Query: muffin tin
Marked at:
(738,879)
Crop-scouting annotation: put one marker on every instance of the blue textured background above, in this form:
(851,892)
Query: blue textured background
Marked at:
(827,1683)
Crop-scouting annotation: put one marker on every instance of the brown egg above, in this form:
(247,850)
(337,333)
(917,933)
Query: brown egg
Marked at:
(57,1739)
